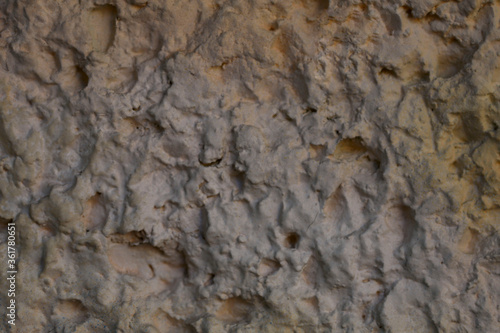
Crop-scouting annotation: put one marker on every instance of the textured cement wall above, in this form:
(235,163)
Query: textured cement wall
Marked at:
(251,165)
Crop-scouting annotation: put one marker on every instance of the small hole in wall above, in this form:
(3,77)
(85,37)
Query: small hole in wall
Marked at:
(274,26)
(292,240)
(388,71)
(209,280)
(408,10)
(322,4)
(81,77)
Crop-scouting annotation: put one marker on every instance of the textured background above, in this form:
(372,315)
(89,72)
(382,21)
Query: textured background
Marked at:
(252,165)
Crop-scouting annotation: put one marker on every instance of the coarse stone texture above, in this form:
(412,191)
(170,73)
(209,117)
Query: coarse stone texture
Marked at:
(251,165)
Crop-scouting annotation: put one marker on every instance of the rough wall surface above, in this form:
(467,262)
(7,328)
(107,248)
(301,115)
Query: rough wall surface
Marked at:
(251,165)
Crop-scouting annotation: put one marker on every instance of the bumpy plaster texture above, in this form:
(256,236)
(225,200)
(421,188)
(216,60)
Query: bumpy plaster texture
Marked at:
(252,165)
